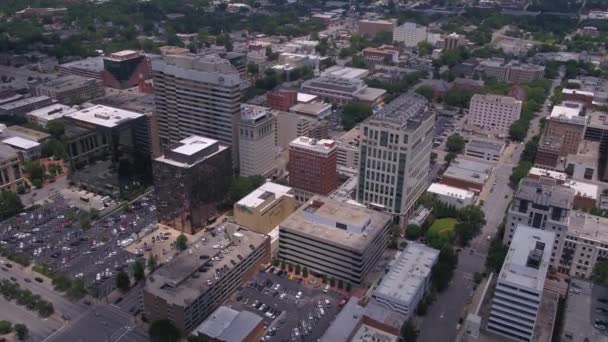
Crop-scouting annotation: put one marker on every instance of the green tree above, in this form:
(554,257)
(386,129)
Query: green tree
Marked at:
(424,48)
(138,270)
(409,333)
(5,327)
(449,157)
(76,290)
(455,143)
(458,97)
(21,331)
(414,231)
(443,270)
(164,331)
(426,91)
(354,113)
(253,68)
(518,130)
(358,62)
(519,172)
(181,243)
(10,204)
(34,171)
(56,128)
(123,282)
(242,186)
(152,263)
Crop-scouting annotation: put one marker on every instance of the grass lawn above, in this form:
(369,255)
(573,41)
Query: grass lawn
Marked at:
(438,234)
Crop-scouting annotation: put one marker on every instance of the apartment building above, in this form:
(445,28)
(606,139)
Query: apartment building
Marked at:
(493,113)
(370,28)
(265,208)
(257,141)
(410,34)
(333,238)
(187,289)
(312,165)
(197,95)
(11,176)
(586,243)
(513,71)
(519,288)
(190,179)
(408,280)
(70,89)
(394,154)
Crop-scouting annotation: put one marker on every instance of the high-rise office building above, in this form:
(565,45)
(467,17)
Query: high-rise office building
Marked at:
(256,140)
(519,288)
(394,154)
(197,95)
(312,165)
(190,179)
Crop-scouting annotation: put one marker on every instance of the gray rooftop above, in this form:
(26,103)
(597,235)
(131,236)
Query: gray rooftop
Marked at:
(578,313)
(468,170)
(486,145)
(547,191)
(229,325)
(94,64)
(181,281)
(317,219)
(402,109)
(23,102)
(200,68)
(7,152)
(67,82)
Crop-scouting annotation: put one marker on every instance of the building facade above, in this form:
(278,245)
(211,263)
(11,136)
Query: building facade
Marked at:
(336,239)
(125,69)
(493,113)
(410,34)
(519,288)
(453,41)
(486,150)
(394,154)
(70,89)
(11,176)
(190,180)
(341,91)
(370,28)
(282,99)
(452,196)
(289,126)
(197,95)
(257,141)
(312,165)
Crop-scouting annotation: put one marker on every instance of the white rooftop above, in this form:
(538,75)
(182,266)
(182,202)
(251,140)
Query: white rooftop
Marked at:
(447,190)
(583,189)
(568,111)
(323,145)
(305,98)
(577,91)
(345,72)
(259,195)
(104,116)
(252,112)
(515,269)
(21,143)
(561,176)
(193,144)
(408,273)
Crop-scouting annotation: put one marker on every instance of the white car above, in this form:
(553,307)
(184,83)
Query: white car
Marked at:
(299,295)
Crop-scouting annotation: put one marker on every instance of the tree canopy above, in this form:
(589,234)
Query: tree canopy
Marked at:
(354,113)
(164,331)
(10,204)
(455,143)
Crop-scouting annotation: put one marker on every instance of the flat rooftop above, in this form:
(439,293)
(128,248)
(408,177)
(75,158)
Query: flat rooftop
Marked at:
(316,110)
(588,226)
(402,109)
(408,273)
(23,102)
(320,217)
(104,116)
(560,176)
(52,112)
(68,82)
(20,143)
(552,193)
(494,146)
(583,189)
(185,278)
(345,72)
(94,64)
(370,94)
(578,321)
(253,113)
(515,269)
(229,325)
(568,111)
(324,146)
(190,151)
(193,144)
(24,132)
(367,333)
(263,193)
(468,170)
(129,99)
(498,99)
(447,190)
(305,98)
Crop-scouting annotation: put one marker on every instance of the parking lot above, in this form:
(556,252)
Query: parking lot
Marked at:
(291,309)
(53,236)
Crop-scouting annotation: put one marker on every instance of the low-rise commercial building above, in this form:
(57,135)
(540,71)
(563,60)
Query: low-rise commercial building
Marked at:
(519,288)
(70,89)
(91,67)
(23,106)
(586,243)
(264,208)
(316,110)
(46,114)
(409,278)
(282,99)
(193,285)
(27,149)
(467,174)
(25,133)
(333,238)
(341,91)
(190,179)
(370,28)
(228,325)
(11,176)
(484,149)
(493,113)
(452,196)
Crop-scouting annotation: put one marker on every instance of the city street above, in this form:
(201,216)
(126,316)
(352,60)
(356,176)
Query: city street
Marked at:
(450,305)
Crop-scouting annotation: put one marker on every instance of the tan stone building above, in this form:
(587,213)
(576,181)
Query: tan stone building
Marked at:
(265,208)
(11,176)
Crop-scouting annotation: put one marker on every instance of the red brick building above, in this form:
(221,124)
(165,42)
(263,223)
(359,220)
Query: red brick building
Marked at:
(584,97)
(312,165)
(282,99)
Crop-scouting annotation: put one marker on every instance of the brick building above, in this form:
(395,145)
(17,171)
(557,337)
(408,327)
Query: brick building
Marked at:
(312,165)
(282,99)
